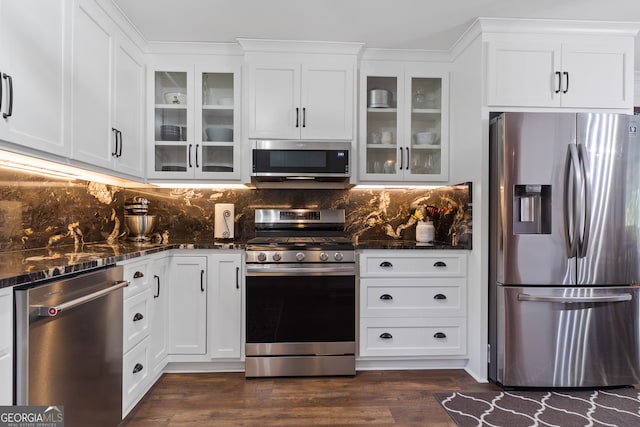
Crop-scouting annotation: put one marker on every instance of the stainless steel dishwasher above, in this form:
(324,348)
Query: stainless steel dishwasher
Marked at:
(69,346)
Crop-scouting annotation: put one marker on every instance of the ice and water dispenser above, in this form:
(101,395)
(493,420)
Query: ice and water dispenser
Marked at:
(532,209)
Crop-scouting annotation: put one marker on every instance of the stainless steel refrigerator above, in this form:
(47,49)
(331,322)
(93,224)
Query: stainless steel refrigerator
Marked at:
(564,256)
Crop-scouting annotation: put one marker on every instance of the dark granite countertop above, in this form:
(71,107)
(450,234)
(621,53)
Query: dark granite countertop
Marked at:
(28,266)
(407,244)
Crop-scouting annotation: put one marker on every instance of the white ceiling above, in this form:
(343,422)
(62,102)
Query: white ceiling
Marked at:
(408,24)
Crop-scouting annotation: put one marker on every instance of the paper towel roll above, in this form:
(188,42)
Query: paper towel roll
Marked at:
(223,227)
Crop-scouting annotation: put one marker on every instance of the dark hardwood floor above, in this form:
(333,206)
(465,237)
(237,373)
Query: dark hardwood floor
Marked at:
(393,398)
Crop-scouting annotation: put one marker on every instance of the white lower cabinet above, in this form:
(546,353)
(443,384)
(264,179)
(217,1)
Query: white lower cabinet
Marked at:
(187,310)
(135,375)
(135,325)
(6,347)
(226,287)
(412,304)
(158,314)
(140,327)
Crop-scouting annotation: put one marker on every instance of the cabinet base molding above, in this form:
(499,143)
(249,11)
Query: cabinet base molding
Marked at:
(376,364)
(194,367)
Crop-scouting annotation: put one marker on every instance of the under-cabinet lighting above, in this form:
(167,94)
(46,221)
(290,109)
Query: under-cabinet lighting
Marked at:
(36,170)
(22,163)
(213,185)
(395,187)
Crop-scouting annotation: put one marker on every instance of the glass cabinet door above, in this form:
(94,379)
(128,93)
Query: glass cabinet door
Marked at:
(425,126)
(406,138)
(382,128)
(171,123)
(216,125)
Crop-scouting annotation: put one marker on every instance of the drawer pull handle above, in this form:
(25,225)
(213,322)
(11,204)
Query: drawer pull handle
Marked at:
(440,335)
(386,336)
(386,264)
(138,274)
(440,264)
(439,296)
(138,368)
(386,297)
(138,317)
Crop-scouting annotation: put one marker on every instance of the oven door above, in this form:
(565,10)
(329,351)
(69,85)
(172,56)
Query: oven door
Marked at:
(305,310)
(288,159)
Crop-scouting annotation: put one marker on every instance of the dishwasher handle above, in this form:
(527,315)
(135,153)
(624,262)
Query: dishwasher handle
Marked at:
(569,300)
(53,310)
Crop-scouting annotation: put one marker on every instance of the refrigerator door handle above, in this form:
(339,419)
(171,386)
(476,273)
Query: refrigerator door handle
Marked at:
(583,240)
(571,182)
(570,300)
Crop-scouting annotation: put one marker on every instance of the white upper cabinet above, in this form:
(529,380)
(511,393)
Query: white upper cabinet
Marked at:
(106,94)
(296,93)
(194,121)
(290,100)
(539,72)
(32,68)
(128,112)
(404,123)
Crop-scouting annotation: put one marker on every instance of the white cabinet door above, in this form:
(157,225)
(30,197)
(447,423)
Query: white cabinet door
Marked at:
(523,74)
(33,58)
(598,75)
(327,101)
(553,74)
(188,305)
(217,94)
(93,140)
(6,346)
(107,94)
(129,85)
(419,106)
(225,305)
(274,100)
(293,99)
(159,289)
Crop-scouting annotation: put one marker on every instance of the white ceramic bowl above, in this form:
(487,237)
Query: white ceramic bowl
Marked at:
(219,134)
(175,98)
(425,138)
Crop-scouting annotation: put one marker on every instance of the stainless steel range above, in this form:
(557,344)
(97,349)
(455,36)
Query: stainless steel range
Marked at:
(300,295)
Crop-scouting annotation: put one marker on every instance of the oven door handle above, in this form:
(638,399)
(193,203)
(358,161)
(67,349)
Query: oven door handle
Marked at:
(286,271)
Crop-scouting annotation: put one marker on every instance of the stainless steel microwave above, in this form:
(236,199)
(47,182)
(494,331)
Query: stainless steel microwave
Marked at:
(279,160)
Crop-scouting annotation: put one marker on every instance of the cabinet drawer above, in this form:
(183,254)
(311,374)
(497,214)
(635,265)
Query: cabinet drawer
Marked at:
(416,263)
(135,324)
(135,373)
(412,337)
(138,276)
(412,297)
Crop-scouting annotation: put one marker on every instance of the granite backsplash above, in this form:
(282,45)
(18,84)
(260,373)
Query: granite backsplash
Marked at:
(38,212)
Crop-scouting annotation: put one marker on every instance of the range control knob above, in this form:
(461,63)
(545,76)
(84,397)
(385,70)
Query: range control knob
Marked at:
(300,256)
(338,256)
(323,256)
(262,257)
(276,257)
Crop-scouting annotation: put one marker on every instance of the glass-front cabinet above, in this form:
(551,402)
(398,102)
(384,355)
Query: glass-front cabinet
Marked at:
(195,123)
(403,122)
